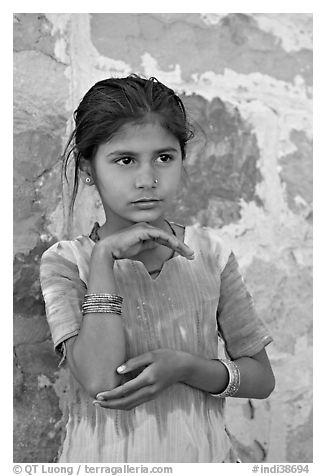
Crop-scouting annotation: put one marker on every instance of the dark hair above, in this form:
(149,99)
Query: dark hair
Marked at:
(113,102)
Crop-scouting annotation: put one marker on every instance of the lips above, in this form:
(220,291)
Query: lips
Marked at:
(146,203)
(146,200)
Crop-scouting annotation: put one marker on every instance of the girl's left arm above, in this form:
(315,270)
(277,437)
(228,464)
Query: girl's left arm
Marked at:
(164,367)
(245,337)
(256,375)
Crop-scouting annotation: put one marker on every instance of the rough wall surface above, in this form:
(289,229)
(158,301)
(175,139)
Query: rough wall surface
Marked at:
(246,80)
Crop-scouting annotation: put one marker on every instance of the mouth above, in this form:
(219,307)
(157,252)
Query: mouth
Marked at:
(146,202)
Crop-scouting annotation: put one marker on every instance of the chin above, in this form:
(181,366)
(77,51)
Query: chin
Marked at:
(147,217)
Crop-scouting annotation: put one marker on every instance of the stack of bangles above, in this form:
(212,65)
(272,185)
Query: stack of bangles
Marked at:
(234,379)
(102,302)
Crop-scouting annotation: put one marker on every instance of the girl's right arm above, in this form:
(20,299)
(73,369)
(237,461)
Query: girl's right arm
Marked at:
(95,353)
(99,348)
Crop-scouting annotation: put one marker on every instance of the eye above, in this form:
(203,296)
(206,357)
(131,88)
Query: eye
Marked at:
(164,158)
(124,161)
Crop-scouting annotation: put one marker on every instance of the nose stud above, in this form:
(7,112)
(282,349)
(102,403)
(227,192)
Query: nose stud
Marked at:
(155,181)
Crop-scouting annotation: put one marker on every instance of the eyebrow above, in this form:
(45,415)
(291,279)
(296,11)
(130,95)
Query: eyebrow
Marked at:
(130,152)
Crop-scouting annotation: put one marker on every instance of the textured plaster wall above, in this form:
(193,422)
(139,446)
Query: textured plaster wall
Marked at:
(247,82)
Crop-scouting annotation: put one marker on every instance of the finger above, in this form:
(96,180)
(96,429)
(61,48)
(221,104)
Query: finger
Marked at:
(147,232)
(136,362)
(177,246)
(131,364)
(124,390)
(140,396)
(139,402)
(170,241)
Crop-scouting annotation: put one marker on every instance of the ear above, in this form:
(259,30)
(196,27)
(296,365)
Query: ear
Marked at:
(85,166)
(86,171)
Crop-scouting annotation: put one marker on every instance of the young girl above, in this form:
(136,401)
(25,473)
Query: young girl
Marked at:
(136,307)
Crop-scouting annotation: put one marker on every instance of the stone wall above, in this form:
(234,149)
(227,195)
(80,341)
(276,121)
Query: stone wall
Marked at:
(247,82)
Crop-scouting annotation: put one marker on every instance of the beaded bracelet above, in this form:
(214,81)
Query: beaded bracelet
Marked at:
(234,379)
(102,302)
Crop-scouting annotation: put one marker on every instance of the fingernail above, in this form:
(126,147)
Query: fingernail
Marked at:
(99,397)
(96,403)
(122,368)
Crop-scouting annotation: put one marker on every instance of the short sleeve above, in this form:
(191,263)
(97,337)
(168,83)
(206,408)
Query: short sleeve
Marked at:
(243,332)
(63,293)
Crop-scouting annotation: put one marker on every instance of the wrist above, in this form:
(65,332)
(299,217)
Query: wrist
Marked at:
(185,365)
(101,254)
(222,377)
(233,379)
(206,374)
(101,274)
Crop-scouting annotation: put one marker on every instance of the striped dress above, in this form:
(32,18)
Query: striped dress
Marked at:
(186,307)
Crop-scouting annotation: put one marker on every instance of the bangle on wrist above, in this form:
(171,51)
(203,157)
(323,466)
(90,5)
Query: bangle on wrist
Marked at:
(102,302)
(234,379)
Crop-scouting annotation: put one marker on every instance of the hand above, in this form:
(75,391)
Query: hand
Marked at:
(140,237)
(163,367)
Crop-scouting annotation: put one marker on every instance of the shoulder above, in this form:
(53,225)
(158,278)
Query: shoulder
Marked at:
(209,241)
(68,250)
(68,259)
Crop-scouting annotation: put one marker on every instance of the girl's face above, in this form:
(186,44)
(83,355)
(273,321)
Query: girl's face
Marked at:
(137,174)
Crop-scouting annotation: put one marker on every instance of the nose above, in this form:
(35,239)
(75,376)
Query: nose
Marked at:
(145,179)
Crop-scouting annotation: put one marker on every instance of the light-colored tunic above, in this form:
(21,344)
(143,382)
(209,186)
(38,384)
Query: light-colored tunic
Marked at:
(184,308)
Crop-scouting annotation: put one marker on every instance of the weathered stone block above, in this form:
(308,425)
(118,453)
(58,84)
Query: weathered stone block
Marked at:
(40,93)
(235,42)
(296,172)
(28,300)
(222,161)
(37,432)
(32,31)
